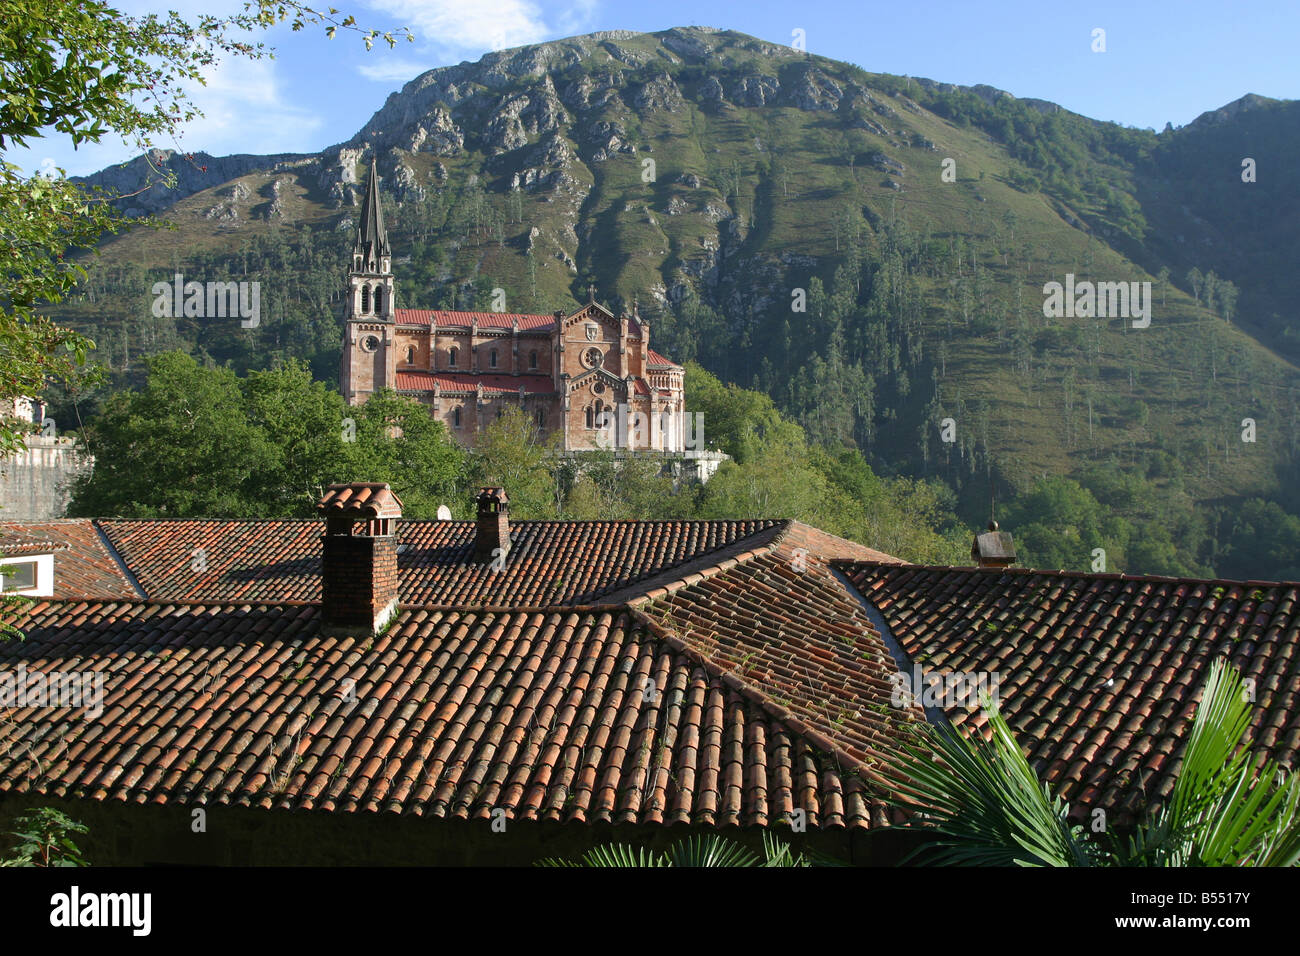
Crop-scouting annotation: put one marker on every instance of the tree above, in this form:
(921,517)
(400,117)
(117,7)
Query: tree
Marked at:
(306,426)
(198,442)
(81,69)
(510,453)
(983,805)
(1195,280)
(399,442)
(1228,299)
(181,447)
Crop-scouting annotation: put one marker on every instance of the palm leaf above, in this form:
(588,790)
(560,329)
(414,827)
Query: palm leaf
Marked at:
(711,850)
(984,802)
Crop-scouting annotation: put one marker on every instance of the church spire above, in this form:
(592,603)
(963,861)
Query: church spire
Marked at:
(372,238)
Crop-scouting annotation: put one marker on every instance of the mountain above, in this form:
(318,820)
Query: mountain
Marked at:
(871,250)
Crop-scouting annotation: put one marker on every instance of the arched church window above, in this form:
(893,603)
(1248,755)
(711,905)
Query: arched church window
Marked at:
(410,355)
(591,417)
(532,360)
(379,300)
(492,359)
(540,417)
(452,356)
(455,418)
(365,299)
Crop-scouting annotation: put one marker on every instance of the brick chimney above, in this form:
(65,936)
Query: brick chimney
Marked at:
(993,548)
(359,557)
(492,524)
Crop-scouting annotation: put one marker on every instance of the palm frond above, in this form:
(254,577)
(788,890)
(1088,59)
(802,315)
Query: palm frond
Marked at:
(985,802)
(710,850)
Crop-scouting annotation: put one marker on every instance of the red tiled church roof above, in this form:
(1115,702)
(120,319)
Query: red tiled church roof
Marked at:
(419,380)
(528,322)
(659,361)
(1099,673)
(462,320)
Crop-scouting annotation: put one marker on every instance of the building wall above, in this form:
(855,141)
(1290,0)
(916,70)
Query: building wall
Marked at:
(34,484)
(568,354)
(134,835)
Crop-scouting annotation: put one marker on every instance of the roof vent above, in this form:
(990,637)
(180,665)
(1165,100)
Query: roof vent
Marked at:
(993,548)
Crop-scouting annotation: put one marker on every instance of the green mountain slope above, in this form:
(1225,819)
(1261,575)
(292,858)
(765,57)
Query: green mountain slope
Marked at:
(870,250)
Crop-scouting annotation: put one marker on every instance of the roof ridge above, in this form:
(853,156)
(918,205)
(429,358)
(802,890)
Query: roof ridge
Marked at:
(1064,573)
(705,566)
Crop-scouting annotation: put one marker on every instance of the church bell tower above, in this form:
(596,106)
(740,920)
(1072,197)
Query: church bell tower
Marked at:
(369,349)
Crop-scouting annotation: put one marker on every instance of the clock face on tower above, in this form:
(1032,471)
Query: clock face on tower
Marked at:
(592,357)
(370,343)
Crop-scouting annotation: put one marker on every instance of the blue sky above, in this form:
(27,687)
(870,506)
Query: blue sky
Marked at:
(1164,61)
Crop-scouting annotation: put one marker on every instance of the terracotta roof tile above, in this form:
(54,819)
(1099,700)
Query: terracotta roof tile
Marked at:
(567,714)
(83,564)
(420,380)
(462,320)
(1099,673)
(550,562)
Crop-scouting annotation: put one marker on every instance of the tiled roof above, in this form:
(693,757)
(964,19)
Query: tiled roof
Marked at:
(579,714)
(14,544)
(83,564)
(660,361)
(360,500)
(778,618)
(1099,674)
(419,380)
(550,562)
(462,320)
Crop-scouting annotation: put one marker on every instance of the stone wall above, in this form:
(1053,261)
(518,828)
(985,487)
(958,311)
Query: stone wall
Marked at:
(34,484)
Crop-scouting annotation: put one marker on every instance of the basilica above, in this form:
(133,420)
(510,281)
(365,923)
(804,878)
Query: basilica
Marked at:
(589,375)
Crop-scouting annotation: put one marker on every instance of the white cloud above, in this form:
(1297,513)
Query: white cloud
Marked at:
(388,70)
(244,111)
(451,30)
(468,25)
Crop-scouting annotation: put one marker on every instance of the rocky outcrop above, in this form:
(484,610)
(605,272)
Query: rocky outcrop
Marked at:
(661,93)
(141,181)
(437,133)
(812,90)
(755,90)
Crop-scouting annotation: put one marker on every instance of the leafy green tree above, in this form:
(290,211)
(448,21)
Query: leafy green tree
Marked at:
(1263,535)
(1060,523)
(199,442)
(777,481)
(509,452)
(736,420)
(306,426)
(620,489)
(181,447)
(399,442)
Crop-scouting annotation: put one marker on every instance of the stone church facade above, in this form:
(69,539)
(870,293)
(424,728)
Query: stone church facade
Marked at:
(589,374)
